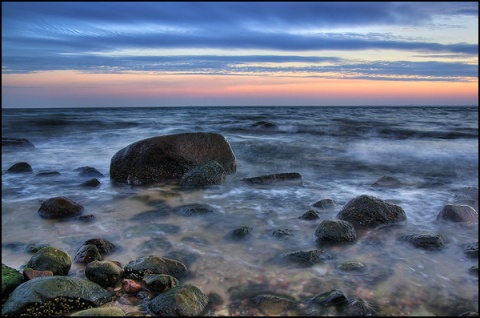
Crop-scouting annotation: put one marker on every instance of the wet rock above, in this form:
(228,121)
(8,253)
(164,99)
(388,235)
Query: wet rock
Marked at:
(155,265)
(51,259)
(309,215)
(186,300)
(264,125)
(293,178)
(282,233)
(100,312)
(130,286)
(207,174)
(194,209)
(87,253)
(367,211)
(159,283)
(91,183)
(54,295)
(104,273)
(460,213)
(29,273)
(168,158)
(11,278)
(352,266)
(59,207)
(17,143)
(104,246)
(307,258)
(335,231)
(359,307)
(240,233)
(325,204)
(47,173)
(326,299)
(89,172)
(471,250)
(388,182)
(425,240)
(20,167)
(273,305)
(467,195)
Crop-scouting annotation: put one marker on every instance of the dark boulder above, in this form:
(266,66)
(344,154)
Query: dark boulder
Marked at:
(335,231)
(264,125)
(326,299)
(20,167)
(51,259)
(47,173)
(309,215)
(168,158)
(367,211)
(91,183)
(276,178)
(186,300)
(59,207)
(54,296)
(460,213)
(87,253)
(159,283)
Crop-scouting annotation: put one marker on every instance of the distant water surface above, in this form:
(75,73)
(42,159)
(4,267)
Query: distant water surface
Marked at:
(339,152)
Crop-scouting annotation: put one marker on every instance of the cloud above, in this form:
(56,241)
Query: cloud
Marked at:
(87,36)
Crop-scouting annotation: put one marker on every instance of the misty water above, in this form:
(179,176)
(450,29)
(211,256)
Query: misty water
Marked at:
(339,153)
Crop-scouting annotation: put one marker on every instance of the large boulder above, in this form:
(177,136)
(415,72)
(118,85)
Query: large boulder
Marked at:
(51,259)
(458,213)
(186,300)
(59,207)
(168,158)
(367,211)
(54,296)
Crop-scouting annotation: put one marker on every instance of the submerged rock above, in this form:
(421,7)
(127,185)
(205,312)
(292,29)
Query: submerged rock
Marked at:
(367,211)
(17,143)
(54,295)
(186,300)
(168,158)
(273,305)
(277,178)
(155,265)
(460,213)
(426,240)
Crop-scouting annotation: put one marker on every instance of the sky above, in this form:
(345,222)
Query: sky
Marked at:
(126,54)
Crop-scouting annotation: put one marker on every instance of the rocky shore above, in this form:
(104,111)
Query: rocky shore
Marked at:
(154,285)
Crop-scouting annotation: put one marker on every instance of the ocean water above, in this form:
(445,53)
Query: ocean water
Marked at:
(339,152)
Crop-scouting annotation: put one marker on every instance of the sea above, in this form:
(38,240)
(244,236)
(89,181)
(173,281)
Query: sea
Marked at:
(340,152)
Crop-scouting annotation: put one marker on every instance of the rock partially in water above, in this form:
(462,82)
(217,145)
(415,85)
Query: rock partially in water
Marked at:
(59,208)
(307,258)
(367,211)
(387,182)
(426,240)
(309,215)
(471,250)
(186,300)
(325,204)
(20,167)
(194,209)
(51,259)
(87,253)
(335,231)
(290,178)
(17,143)
(55,295)
(91,183)
(207,174)
(459,213)
(88,172)
(168,158)
(326,299)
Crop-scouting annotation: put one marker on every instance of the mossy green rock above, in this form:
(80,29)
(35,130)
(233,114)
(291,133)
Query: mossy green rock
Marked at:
(51,259)
(186,300)
(100,312)
(54,295)
(11,278)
